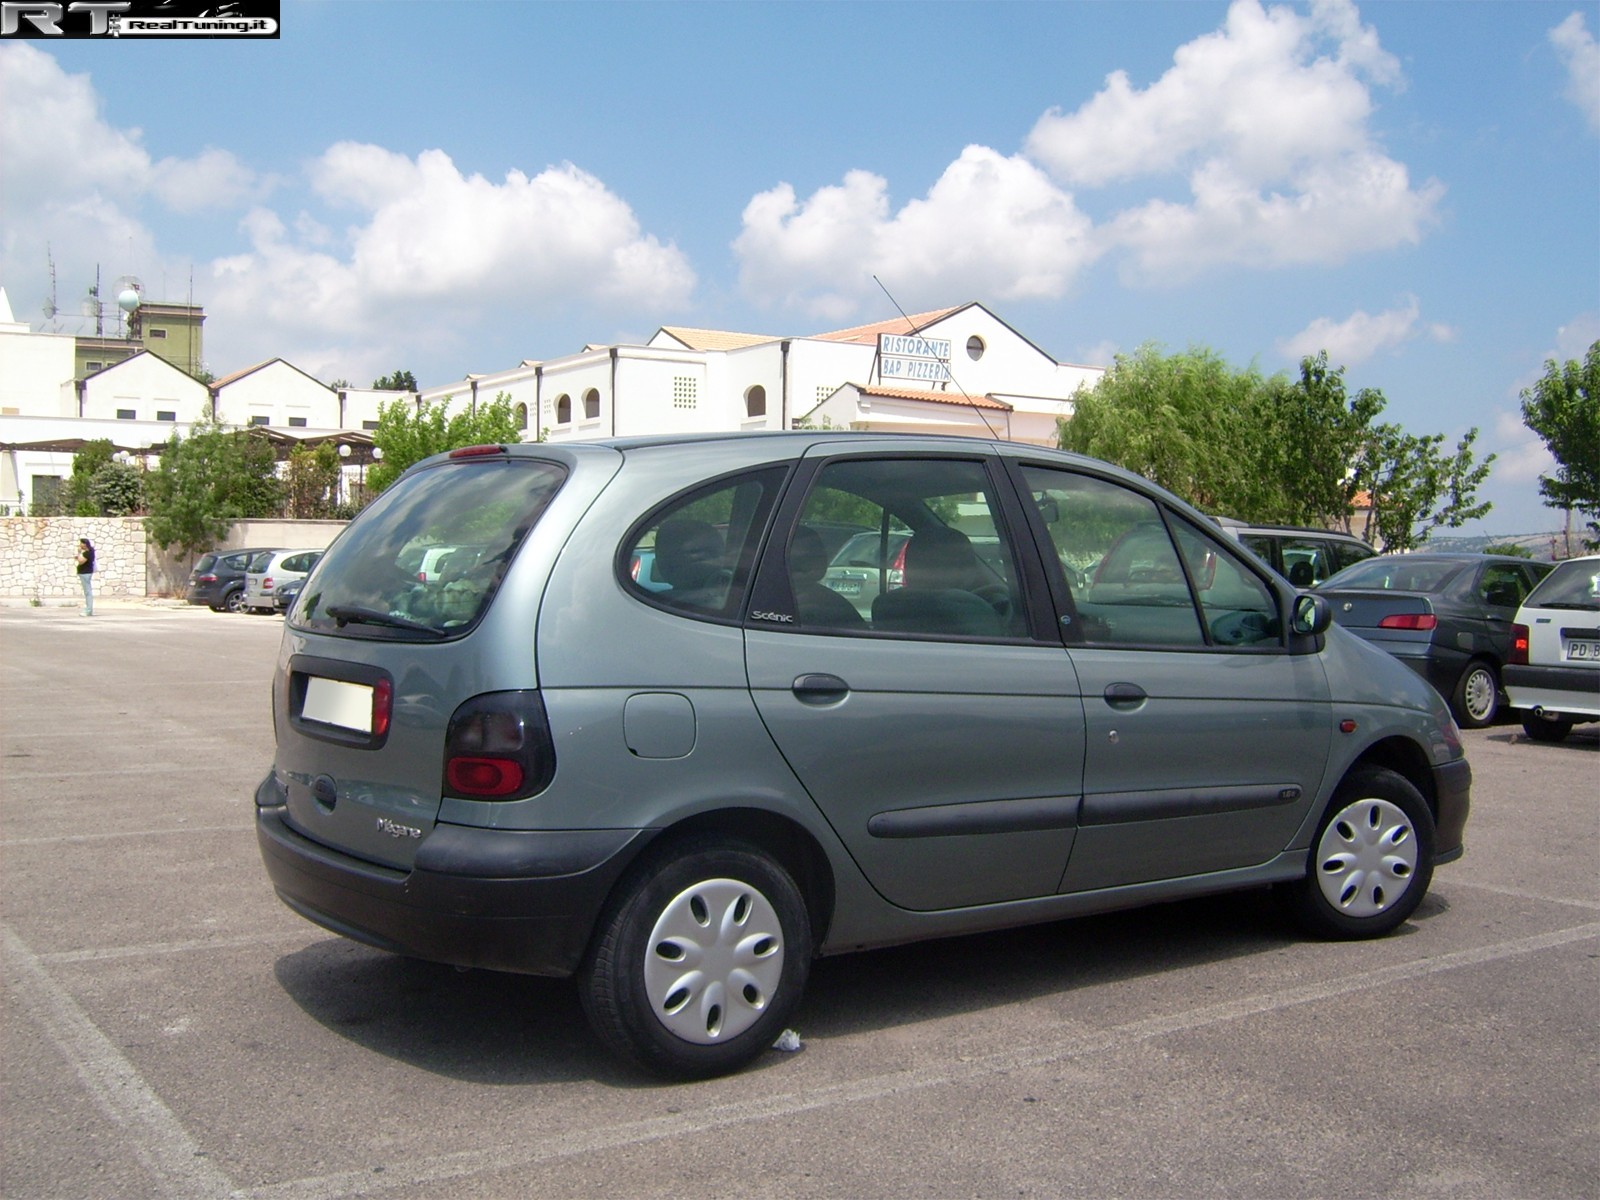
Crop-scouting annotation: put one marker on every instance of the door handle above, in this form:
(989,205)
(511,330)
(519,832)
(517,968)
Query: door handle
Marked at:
(1125,696)
(819,688)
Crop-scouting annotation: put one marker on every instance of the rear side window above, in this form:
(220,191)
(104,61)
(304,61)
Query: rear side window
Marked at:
(463,519)
(695,553)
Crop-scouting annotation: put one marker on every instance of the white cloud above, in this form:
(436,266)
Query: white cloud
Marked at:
(433,250)
(1520,453)
(1268,121)
(1361,335)
(991,226)
(1580,54)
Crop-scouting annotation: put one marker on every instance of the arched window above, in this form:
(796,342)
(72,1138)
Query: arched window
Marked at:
(591,405)
(755,401)
(522,416)
(563,409)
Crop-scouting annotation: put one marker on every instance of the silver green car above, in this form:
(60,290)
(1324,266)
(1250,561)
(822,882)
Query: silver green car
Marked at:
(1070,693)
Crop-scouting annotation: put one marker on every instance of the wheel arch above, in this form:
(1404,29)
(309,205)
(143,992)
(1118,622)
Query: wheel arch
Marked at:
(788,842)
(1405,758)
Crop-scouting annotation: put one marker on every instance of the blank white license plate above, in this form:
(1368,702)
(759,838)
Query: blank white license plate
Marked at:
(1586,651)
(335,702)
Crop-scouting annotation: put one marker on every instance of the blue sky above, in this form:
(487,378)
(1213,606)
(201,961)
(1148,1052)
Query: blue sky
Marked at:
(455,187)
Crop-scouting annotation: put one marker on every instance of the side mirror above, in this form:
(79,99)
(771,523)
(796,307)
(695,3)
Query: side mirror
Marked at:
(1312,615)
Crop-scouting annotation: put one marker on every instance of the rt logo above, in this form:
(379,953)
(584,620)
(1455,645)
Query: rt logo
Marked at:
(46,18)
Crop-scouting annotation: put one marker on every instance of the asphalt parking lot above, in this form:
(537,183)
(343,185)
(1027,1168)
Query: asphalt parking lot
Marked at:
(170,1029)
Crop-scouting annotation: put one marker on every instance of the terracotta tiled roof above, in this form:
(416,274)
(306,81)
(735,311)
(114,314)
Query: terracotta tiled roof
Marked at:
(867,334)
(240,374)
(715,339)
(956,398)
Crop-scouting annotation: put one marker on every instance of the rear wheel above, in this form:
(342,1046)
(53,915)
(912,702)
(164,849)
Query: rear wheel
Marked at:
(1545,729)
(699,961)
(234,601)
(1476,702)
(1371,860)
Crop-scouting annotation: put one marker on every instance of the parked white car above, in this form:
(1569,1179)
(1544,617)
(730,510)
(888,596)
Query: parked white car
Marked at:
(270,570)
(1553,674)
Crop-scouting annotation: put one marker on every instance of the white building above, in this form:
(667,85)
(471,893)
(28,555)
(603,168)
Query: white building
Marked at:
(957,370)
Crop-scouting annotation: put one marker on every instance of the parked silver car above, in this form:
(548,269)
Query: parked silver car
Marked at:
(269,570)
(1553,673)
(682,789)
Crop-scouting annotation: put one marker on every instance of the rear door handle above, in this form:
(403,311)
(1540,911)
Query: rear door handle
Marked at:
(819,688)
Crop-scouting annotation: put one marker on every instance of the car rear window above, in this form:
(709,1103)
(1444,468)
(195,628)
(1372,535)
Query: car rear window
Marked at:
(1574,584)
(426,557)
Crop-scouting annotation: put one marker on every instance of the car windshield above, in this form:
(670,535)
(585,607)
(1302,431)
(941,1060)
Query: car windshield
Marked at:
(1573,584)
(1396,573)
(427,556)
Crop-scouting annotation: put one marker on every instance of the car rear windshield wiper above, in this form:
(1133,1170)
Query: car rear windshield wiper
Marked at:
(347,614)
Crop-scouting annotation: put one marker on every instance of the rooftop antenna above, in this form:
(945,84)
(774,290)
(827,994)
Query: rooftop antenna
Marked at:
(50,308)
(913,329)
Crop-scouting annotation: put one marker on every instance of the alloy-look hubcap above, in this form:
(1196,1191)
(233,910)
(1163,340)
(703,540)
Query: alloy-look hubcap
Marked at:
(714,961)
(1366,858)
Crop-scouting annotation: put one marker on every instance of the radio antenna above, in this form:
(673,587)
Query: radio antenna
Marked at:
(914,329)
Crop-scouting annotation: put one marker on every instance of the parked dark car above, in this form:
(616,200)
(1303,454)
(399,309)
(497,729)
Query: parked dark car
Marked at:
(1305,557)
(217,579)
(1446,616)
(682,794)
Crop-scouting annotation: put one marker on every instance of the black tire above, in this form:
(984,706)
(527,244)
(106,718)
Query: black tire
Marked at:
(1545,729)
(1476,700)
(233,602)
(650,1011)
(1370,861)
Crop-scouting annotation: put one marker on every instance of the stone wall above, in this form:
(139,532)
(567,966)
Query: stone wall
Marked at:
(38,555)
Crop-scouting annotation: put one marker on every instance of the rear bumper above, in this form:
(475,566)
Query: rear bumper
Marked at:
(1556,689)
(1452,790)
(501,899)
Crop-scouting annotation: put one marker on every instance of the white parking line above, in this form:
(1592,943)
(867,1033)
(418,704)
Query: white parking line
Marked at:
(428,1171)
(155,1135)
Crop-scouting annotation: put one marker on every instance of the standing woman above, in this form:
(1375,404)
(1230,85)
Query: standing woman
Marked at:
(86,574)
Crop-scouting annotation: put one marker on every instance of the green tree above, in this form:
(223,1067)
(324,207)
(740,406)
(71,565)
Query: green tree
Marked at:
(408,434)
(100,486)
(1563,408)
(1415,487)
(312,484)
(205,482)
(396,381)
(1179,421)
(1273,450)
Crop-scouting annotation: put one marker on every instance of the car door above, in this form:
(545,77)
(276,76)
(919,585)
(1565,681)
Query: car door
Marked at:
(1206,737)
(940,734)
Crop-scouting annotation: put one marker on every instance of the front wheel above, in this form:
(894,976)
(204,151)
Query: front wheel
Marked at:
(699,961)
(1371,860)
(1476,702)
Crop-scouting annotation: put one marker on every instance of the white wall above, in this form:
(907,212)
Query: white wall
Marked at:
(280,393)
(148,385)
(33,366)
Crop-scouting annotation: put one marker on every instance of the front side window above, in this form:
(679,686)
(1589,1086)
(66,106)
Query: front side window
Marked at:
(426,558)
(928,556)
(1133,582)
(695,554)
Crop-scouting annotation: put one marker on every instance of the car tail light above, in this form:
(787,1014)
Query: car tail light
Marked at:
(477,451)
(897,567)
(1409,621)
(205,578)
(498,747)
(633,568)
(382,707)
(266,584)
(1519,645)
